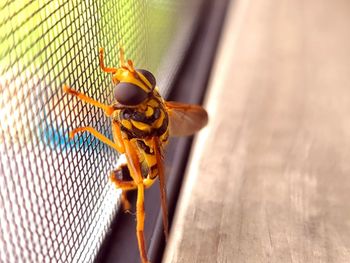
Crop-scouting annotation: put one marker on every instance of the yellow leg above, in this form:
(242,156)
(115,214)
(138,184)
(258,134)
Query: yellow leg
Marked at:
(135,173)
(98,135)
(107,109)
(117,136)
(125,186)
(125,202)
(140,217)
(162,186)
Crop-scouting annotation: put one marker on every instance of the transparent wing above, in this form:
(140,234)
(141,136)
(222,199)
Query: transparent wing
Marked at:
(185,119)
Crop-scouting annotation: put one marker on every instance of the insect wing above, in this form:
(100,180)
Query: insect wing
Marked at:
(158,153)
(185,119)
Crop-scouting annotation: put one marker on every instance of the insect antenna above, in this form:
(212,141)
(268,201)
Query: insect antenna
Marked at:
(130,66)
(121,56)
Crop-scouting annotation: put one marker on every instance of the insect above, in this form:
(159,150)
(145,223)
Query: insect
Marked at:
(142,122)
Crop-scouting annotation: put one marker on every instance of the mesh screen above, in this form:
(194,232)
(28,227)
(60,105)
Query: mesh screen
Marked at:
(55,202)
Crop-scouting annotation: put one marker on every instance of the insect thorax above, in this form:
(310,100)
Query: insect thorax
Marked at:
(150,120)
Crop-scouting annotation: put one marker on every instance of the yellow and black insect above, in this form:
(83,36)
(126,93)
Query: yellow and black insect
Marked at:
(141,124)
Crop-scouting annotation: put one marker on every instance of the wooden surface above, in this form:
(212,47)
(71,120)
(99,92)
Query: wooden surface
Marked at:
(269,179)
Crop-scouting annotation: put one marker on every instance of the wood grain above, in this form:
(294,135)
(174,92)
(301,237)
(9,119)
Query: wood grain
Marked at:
(269,179)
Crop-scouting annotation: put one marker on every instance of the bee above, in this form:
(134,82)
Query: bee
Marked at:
(142,122)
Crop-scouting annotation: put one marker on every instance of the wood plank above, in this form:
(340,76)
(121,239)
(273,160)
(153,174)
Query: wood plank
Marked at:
(269,179)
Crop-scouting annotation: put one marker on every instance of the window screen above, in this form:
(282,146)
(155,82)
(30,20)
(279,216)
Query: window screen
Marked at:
(56,203)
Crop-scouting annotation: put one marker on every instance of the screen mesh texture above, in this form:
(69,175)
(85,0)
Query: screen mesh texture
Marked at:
(56,203)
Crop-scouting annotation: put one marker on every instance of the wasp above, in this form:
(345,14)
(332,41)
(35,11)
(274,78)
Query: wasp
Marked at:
(142,122)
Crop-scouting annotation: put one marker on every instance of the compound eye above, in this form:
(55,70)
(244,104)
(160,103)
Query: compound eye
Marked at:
(149,76)
(129,94)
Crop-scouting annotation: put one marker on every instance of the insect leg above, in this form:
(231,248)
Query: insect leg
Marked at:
(102,64)
(125,186)
(162,185)
(117,136)
(99,136)
(121,179)
(107,109)
(135,173)
(140,217)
